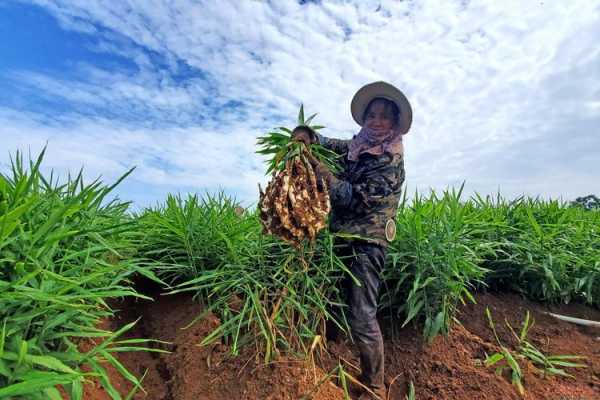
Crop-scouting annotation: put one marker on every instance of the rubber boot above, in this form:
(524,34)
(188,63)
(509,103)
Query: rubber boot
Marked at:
(372,365)
(378,394)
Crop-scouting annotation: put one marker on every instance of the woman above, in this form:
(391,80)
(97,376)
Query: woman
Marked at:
(364,199)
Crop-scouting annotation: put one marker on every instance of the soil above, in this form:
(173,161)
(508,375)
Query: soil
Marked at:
(449,367)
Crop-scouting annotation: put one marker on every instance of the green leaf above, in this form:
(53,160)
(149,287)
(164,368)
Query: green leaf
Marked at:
(493,359)
(301,115)
(50,363)
(412,312)
(33,383)
(53,393)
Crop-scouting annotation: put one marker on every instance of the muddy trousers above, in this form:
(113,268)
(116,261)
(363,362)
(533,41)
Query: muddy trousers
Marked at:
(365,261)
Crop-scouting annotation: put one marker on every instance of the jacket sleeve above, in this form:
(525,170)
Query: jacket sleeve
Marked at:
(340,193)
(381,188)
(339,146)
(377,188)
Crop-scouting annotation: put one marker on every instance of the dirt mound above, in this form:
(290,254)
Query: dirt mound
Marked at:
(448,368)
(190,371)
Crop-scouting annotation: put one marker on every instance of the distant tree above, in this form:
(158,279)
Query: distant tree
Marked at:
(589,202)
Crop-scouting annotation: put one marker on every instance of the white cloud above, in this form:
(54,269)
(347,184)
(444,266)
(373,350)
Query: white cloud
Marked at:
(494,86)
(169,160)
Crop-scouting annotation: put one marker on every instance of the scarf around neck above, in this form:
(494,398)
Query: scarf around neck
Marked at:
(375,142)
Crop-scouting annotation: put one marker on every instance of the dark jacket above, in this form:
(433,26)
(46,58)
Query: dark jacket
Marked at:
(366,194)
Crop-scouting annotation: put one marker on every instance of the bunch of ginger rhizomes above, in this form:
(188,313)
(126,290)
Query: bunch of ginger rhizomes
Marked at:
(295,204)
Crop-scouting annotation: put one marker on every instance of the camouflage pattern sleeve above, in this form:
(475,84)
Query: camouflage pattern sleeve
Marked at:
(373,191)
(369,208)
(339,146)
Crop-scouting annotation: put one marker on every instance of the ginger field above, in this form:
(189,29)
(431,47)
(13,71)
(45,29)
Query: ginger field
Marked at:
(77,263)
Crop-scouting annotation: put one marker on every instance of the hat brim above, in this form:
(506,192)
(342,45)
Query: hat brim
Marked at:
(365,94)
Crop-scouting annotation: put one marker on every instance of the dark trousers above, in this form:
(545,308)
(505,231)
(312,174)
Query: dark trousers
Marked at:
(365,261)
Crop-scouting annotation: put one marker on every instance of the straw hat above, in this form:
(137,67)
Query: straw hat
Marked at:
(365,94)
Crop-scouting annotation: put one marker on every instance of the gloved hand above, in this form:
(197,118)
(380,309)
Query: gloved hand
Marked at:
(304,134)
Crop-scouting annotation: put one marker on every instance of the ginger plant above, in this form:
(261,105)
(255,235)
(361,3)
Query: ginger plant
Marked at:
(295,204)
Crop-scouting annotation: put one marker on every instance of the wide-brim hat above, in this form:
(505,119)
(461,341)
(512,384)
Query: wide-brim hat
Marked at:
(365,94)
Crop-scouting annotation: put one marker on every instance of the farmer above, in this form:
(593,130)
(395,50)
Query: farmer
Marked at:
(364,199)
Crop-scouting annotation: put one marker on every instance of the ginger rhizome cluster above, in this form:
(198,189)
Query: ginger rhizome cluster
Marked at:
(295,204)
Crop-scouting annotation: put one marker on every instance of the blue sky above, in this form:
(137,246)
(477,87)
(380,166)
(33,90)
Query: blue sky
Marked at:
(506,95)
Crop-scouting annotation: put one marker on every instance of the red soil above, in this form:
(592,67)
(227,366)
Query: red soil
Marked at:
(448,368)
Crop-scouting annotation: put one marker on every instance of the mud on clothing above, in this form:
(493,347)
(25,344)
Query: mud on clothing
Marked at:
(364,200)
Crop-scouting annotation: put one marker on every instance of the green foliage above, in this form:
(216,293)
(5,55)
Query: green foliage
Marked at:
(284,302)
(445,249)
(279,146)
(507,359)
(506,356)
(589,202)
(185,237)
(433,264)
(64,250)
(411,392)
(261,288)
(548,251)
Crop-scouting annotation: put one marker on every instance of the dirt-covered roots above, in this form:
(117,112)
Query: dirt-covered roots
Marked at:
(295,204)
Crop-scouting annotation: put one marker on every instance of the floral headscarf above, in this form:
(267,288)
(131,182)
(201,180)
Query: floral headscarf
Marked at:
(375,142)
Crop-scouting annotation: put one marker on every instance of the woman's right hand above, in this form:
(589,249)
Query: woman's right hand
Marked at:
(304,134)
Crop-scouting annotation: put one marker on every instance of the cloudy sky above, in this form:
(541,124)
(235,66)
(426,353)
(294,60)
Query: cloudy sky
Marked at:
(506,95)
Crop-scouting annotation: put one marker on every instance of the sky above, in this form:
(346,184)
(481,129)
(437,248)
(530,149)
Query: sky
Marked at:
(505,95)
